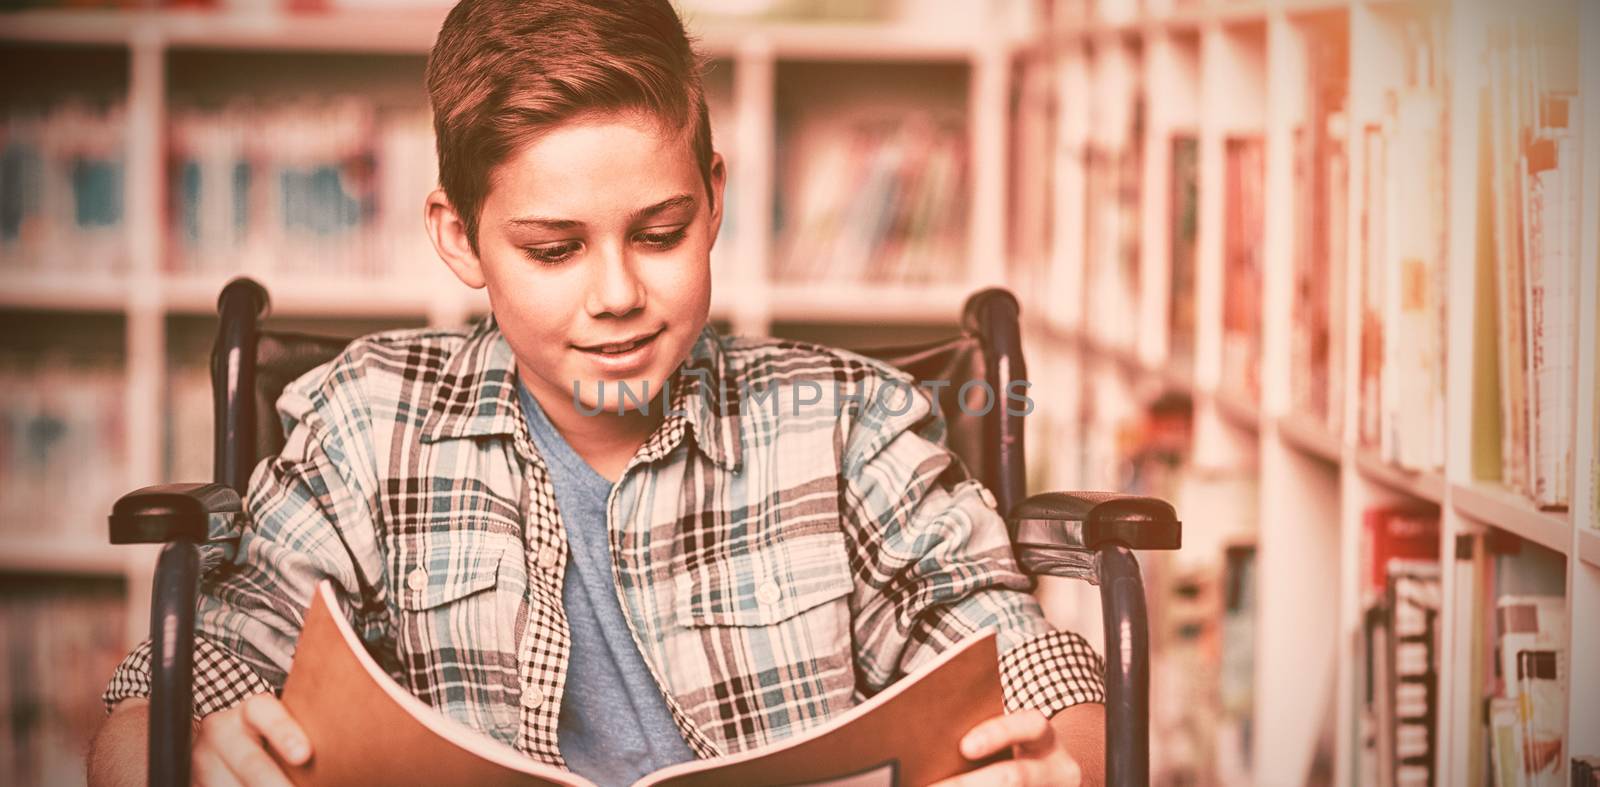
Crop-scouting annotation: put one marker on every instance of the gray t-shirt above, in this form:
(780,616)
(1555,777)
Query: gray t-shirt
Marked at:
(615,726)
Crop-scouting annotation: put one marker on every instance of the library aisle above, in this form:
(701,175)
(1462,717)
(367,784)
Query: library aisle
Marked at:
(1323,273)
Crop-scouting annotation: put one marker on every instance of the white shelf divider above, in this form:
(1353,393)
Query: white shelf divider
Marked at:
(69,556)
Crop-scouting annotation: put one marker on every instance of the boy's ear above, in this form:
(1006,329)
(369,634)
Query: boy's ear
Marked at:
(719,179)
(449,235)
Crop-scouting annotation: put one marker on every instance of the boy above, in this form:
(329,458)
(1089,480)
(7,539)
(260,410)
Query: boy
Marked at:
(606,583)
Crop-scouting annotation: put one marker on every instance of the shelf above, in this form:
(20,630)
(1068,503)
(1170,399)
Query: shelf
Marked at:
(1237,408)
(75,556)
(1589,547)
(293,296)
(86,293)
(392,32)
(1491,504)
(842,41)
(412,31)
(1310,436)
(1421,484)
(104,28)
(868,303)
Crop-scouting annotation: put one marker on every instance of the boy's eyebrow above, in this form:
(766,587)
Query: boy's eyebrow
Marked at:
(679,201)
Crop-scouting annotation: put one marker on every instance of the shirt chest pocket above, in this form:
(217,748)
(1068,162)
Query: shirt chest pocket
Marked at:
(795,588)
(453,627)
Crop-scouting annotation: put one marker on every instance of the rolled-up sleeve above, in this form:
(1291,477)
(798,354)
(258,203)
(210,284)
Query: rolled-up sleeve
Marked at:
(307,520)
(934,565)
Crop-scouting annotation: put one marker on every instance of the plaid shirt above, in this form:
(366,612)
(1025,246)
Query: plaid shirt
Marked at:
(778,559)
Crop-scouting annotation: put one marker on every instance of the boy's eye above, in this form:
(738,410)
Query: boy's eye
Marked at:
(659,239)
(553,253)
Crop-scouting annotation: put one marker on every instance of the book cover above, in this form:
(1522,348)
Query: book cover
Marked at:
(339,695)
(1243,178)
(1185,216)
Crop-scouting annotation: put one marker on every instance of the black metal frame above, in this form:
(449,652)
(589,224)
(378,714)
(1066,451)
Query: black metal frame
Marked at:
(1082,535)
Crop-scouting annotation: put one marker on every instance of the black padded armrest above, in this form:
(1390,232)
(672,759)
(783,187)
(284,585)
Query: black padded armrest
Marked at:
(167,512)
(1089,520)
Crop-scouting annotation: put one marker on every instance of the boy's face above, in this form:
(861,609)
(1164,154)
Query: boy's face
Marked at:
(596,232)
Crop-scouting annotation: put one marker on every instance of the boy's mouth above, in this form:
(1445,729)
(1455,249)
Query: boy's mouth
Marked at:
(621,347)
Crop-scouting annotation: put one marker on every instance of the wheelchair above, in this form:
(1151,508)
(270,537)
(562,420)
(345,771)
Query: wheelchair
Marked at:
(1083,535)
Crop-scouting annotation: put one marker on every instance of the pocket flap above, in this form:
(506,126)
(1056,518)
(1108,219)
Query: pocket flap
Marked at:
(766,583)
(443,567)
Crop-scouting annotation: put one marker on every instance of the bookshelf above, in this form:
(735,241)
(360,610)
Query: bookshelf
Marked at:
(1367,72)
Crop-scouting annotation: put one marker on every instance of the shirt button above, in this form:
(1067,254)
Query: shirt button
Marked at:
(988,497)
(532,698)
(417,579)
(769,592)
(547,557)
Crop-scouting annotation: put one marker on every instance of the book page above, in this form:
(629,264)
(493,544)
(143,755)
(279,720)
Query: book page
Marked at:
(366,729)
(906,736)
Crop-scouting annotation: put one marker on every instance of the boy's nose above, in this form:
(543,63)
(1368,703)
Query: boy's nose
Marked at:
(616,290)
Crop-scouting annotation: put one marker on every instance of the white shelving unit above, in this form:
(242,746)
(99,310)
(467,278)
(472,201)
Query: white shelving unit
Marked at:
(1215,68)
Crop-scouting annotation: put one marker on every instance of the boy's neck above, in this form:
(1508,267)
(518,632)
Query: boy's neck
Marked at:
(607,440)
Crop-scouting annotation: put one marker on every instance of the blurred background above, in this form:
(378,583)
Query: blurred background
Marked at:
(1321,272)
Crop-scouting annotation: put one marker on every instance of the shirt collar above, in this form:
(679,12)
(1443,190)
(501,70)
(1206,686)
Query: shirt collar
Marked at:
(477,396)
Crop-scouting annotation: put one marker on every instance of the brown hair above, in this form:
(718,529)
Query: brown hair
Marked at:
(502,71)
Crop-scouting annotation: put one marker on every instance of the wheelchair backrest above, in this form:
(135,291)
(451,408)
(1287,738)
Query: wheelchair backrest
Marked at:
(981,427)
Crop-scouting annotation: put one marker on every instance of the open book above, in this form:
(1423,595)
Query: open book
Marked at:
(366,729)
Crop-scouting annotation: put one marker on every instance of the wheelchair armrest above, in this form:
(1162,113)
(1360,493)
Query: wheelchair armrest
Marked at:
(1089,520)
(1059,533)
(167,512)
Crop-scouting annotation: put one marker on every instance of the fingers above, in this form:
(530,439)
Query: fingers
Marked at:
(272,721)
(230,748)
(1028,729)
(1016,773)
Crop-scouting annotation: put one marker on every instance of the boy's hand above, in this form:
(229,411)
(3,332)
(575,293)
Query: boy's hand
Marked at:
(1040,754)
(232,746)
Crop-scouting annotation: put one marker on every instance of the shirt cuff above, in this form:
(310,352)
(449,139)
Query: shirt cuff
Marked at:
(221,680)
(1052,672)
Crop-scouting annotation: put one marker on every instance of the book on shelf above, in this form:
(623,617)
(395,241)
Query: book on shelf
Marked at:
(1398,647)
(1244,172)
(327,188)
(1529,711)
(1184,213)
(1404,183)
(1414,605)
(60,638)
(1586,772)
(63,451)
(63,172)
(1401,531)
(336,690)
(1030,149)
(1321,182)
(1532,135)
(1111,251)
(882,200)
(1236,678)
(1412,389)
